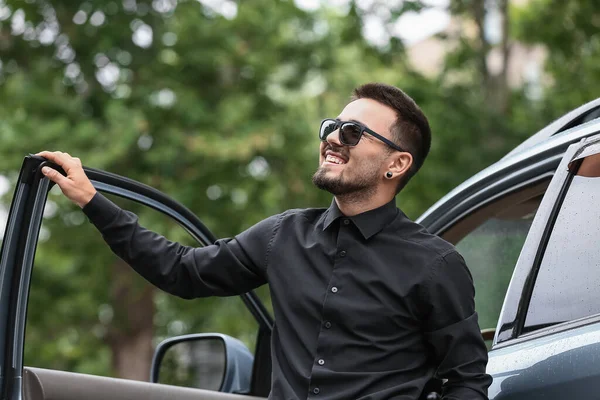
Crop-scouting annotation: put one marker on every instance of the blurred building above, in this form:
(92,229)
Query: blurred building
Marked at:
(525,65)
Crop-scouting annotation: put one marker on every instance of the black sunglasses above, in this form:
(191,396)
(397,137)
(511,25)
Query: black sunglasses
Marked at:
(351,132)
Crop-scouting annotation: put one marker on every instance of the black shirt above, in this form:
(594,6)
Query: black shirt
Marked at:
(366,307)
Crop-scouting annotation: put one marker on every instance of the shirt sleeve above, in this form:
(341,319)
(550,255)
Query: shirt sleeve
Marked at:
(453,332)
(228,267)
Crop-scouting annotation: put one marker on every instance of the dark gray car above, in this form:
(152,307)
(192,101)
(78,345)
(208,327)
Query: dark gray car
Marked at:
(528,227)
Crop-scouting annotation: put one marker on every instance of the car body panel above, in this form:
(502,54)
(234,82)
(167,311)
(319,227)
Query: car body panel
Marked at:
(45,384)
(552,367)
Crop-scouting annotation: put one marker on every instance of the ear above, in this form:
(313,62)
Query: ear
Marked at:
(400,163)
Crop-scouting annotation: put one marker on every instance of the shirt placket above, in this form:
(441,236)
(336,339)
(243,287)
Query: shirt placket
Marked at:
(322,361)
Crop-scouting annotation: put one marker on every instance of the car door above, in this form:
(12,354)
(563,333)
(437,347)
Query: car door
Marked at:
(488,216)
(548,336)
(18,253)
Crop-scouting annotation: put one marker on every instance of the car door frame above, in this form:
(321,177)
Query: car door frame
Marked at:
(18,253)
(516,303)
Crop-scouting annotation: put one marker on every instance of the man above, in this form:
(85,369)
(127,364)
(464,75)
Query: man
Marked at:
(368,305)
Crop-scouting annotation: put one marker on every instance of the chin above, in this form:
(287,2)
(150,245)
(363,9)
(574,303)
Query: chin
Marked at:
(327,180)
(330,173)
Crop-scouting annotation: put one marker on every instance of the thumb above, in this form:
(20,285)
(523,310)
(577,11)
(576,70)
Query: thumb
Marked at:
(54,176)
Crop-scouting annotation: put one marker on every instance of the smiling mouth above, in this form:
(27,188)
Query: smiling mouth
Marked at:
(331,159)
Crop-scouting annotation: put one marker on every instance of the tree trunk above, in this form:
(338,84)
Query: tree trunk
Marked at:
(503,87)
(130,336)
(495,86)
(479,12)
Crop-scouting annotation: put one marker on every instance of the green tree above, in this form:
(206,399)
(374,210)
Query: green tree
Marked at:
(568,31)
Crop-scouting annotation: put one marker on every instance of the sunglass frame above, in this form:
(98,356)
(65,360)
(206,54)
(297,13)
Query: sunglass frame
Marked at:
(363,129)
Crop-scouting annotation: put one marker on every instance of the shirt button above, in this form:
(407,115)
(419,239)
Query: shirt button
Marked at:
(334,289)
(343,253)
(346,222)
(321,361)
(316,390)
(327,324)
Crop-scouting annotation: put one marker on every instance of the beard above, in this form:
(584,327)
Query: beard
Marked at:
(363,184)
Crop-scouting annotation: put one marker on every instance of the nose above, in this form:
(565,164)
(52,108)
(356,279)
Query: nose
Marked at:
(334,138)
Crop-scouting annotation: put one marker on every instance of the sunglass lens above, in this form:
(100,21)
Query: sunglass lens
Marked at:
(350,134)
(327,127)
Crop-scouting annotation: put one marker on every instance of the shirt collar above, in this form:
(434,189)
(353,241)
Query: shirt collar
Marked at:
(368,223)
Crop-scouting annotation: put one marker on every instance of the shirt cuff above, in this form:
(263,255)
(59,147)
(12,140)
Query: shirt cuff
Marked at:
(101,211)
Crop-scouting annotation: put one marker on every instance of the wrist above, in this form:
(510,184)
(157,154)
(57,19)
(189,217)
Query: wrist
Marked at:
(87,198)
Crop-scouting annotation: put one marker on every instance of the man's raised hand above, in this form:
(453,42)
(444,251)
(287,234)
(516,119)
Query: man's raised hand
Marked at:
(76,185)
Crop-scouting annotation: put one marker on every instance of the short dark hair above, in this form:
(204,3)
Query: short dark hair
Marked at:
(410,130)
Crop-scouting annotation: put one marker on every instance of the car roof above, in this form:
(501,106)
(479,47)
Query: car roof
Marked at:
(550,141)
(578,116)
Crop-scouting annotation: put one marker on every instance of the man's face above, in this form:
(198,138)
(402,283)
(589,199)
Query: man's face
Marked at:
(361,168)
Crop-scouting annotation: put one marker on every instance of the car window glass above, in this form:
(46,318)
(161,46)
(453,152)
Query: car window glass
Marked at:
(567,284)
(491,252)
(88,312)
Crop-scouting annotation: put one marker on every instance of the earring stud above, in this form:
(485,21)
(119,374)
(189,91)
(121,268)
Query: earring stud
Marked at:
(389,175)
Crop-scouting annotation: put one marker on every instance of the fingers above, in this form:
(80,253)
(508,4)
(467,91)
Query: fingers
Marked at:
(50,155)
(55,176)
(75,186)
(54,156)
(63,159)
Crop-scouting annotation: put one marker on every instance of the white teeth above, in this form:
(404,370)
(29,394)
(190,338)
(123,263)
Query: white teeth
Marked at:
(334,159)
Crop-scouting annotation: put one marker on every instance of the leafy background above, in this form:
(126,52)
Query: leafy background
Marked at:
(216,103)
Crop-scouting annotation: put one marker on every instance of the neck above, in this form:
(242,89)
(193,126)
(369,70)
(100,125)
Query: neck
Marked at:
(357,203)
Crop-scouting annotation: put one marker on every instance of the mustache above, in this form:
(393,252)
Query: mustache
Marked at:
(341,150)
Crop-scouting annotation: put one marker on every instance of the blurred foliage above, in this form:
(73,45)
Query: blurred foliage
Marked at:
(570,31)
(216,103)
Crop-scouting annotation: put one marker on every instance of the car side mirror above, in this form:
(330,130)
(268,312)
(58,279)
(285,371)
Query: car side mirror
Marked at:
(210,361)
